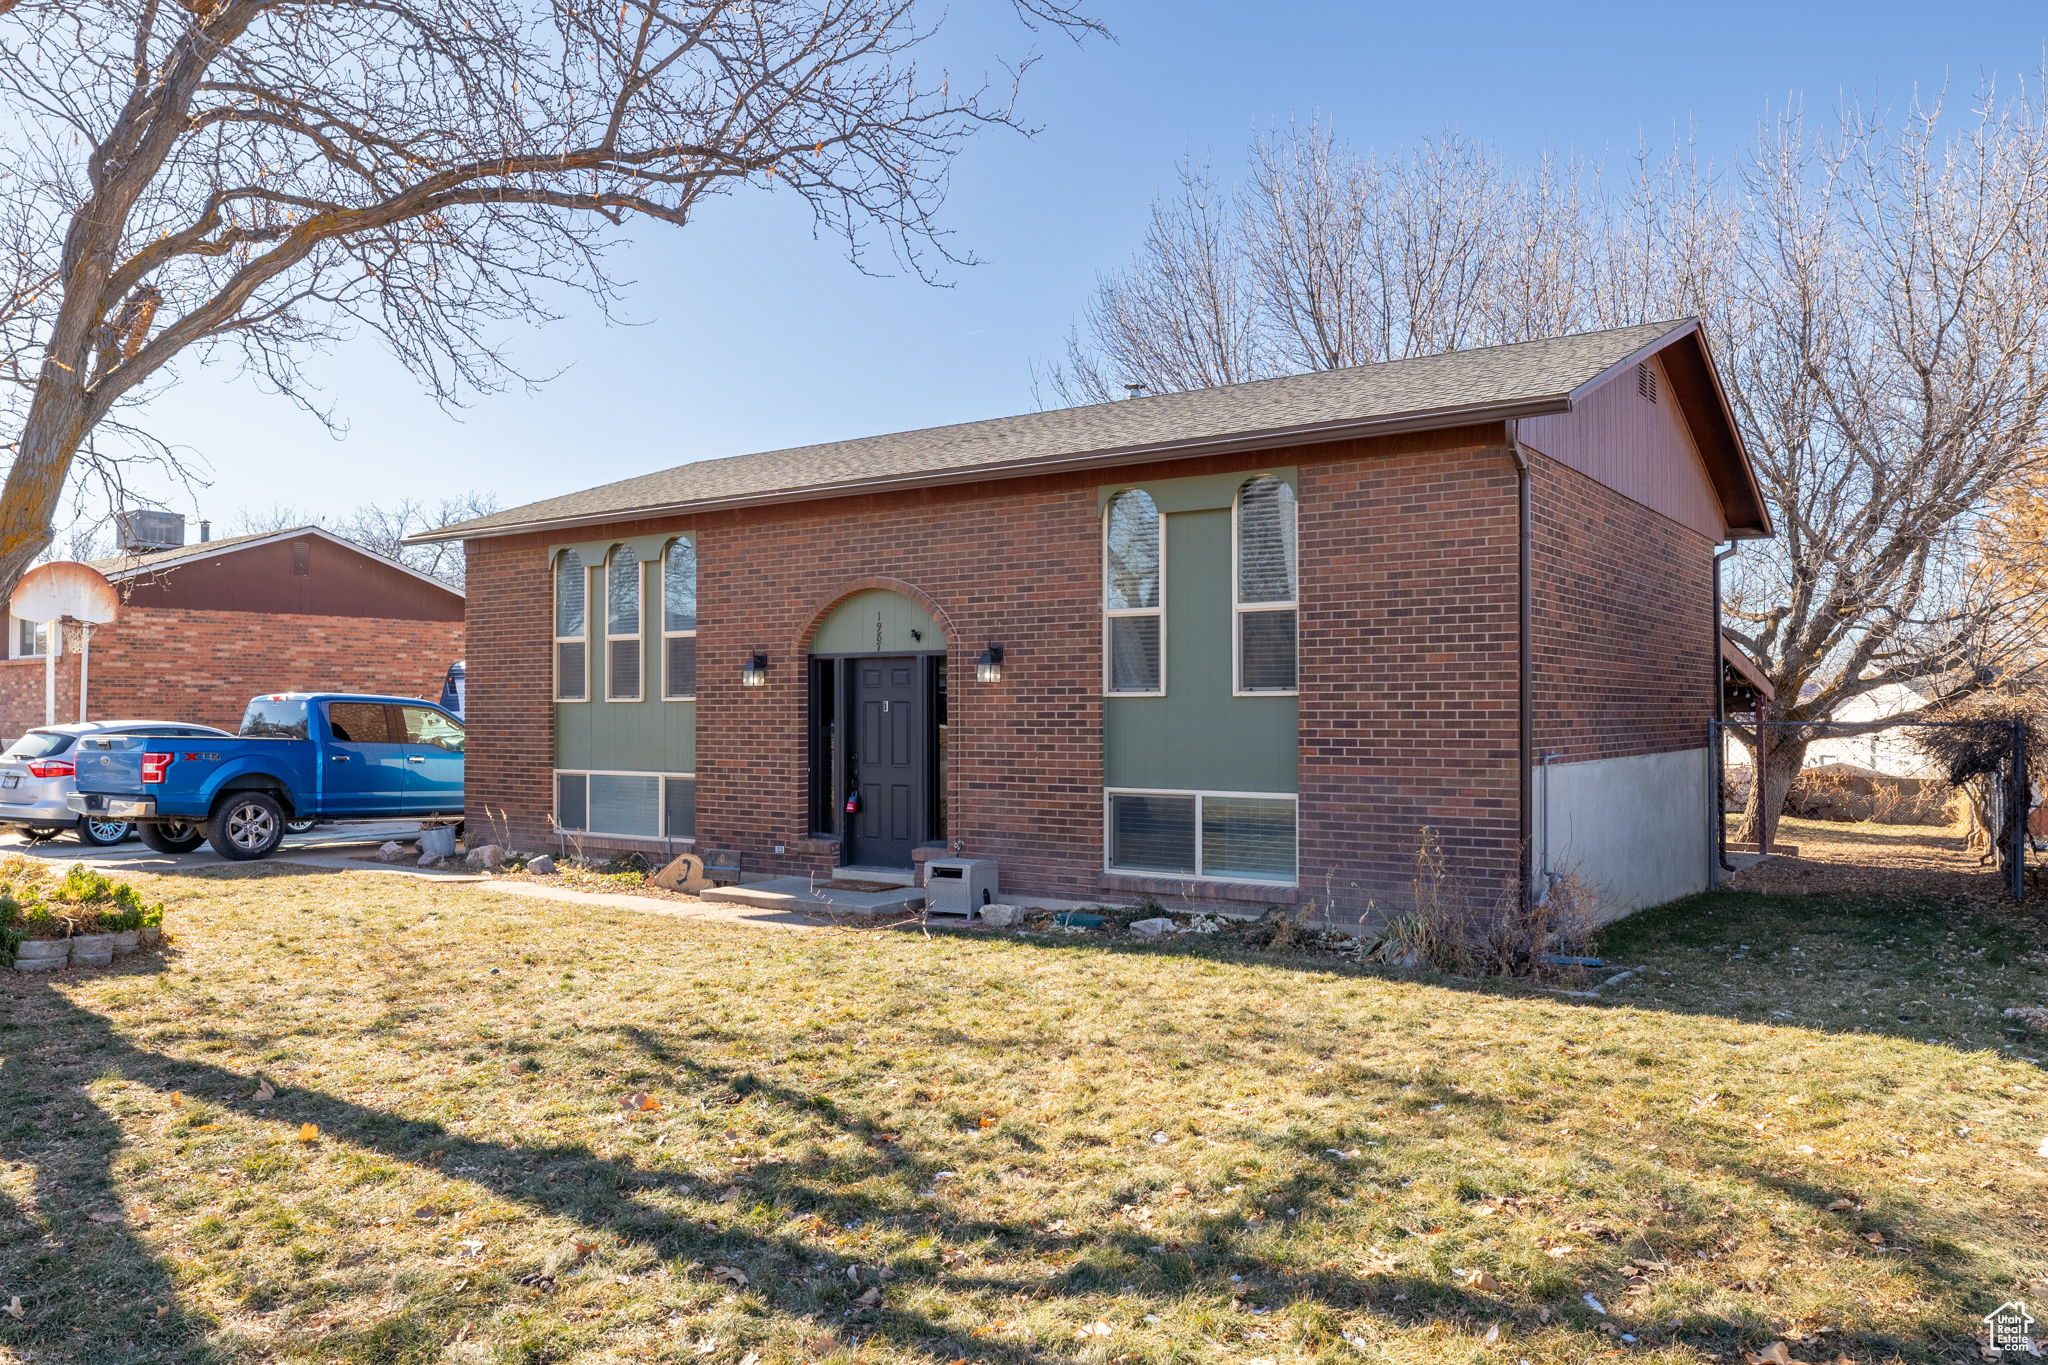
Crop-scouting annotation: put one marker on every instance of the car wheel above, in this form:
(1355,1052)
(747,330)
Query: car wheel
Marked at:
(246,826)
(299,826)
(97,833)
(171,836)
(38,833)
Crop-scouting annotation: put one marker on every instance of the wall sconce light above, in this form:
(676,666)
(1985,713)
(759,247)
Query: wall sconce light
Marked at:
(989,667)
(754,672)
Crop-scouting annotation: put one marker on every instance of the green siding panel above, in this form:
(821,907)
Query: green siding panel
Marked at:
(644,736)
(1198,736)
(878,621)
(1203,493)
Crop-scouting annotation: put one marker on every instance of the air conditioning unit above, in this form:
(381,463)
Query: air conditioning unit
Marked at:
(958,886)
(144,530)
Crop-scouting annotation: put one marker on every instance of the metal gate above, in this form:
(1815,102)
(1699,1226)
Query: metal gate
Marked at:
(1988,764)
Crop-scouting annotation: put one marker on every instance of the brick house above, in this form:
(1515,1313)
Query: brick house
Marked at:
(206,626)
(1238,646)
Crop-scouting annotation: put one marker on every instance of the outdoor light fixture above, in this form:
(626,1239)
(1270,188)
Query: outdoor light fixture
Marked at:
(754,672)
(989,667)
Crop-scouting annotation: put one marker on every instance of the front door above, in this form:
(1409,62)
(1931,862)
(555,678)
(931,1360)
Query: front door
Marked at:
(887,762)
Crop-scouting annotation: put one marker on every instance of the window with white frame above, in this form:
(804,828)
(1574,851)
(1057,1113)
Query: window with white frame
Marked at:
(622,669)
(628,805)
(1267,587)
(1229,836)
(31,639)
(1133,596)
(679,622)
(572,629)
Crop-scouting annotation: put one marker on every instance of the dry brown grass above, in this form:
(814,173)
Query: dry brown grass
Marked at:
(902,1148)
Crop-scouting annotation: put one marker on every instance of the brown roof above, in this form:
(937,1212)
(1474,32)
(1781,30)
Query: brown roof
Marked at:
(1487,384)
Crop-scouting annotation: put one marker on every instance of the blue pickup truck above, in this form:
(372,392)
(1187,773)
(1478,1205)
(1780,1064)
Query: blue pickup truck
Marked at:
(299,756)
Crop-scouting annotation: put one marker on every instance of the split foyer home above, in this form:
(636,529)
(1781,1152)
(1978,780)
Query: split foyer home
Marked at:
(1233,647)
(206,626)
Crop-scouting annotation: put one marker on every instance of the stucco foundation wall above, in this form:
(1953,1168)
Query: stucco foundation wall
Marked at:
(1634,829)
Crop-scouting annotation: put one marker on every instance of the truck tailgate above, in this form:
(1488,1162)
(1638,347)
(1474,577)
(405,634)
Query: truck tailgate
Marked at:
(111,764)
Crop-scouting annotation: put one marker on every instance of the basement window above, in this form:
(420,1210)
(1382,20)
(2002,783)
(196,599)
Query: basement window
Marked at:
(1228,836)
(626,805)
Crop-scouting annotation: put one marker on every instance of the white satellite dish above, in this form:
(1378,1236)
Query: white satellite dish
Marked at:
(65,594)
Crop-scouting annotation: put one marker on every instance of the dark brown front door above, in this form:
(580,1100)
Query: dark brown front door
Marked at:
(887,762)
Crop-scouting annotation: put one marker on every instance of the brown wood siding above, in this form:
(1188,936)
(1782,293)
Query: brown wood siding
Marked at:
(304,576)
(1640,449)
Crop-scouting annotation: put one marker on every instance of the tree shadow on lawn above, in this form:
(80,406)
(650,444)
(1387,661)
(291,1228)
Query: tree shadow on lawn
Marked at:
(90,1241)
(51,1124)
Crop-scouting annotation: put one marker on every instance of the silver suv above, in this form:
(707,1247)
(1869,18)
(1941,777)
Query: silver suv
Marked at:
(36,775)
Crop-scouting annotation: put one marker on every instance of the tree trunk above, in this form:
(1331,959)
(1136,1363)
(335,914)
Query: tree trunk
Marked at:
(35,482)
(1767,792)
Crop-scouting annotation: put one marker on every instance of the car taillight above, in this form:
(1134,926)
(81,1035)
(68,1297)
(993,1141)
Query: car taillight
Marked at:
(51,767)
(153,766)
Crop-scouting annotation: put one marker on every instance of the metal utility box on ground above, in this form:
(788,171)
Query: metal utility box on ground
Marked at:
(958,886)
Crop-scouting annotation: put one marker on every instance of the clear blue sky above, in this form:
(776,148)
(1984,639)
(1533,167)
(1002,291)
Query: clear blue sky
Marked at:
(752,336)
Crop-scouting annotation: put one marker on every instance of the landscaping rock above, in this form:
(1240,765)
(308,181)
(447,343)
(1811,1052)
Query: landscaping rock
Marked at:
(685,872)
(152,934)
(1153,928)
(394,852)
(127,941)
(543,866)
(1001,916)
(487,858)
(92,950)
(42,955)
(429,860)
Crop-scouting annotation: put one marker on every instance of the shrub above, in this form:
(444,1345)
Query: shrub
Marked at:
(35,903)
(1457,929)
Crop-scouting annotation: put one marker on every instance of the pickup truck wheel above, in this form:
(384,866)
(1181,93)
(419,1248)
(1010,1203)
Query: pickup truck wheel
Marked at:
(97,833)
(246,826)
(171,836)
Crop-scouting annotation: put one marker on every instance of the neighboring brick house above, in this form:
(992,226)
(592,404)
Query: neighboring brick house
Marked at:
(1234,646)
(204,627)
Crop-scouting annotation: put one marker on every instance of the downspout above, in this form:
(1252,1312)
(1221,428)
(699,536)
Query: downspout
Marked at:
(1717,856)
(1524,661)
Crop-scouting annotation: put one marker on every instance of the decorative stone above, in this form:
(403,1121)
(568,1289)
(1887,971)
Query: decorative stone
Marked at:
(42,954)
(486,858)
(543,866)
(126,941)
(1001,916)
(429,860)
(152,934)
(685,872)
(1153,928)
(394,852)
(92,950)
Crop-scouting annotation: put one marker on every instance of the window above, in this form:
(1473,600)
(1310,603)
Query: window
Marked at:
(275,718)
(1232,836)
(629,805)
(30,639)
(622,627)
(424,725)
(1133,609)
(361,722)
(1266,586)
(572,637)
(679,622)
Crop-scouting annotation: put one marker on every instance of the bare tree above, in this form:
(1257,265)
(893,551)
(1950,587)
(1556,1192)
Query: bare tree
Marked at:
(1875,292)
(382,530)
(251,179)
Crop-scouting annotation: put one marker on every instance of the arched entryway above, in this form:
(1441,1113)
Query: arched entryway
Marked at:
(878,728)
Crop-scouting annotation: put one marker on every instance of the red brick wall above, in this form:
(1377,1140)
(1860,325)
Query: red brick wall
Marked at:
(1408,621)
(205,665)
(1624,606)
(1408,670)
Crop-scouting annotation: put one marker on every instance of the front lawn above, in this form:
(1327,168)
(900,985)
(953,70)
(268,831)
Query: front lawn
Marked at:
(869,1145)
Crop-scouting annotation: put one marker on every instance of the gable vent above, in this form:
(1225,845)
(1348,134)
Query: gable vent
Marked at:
(1646,383)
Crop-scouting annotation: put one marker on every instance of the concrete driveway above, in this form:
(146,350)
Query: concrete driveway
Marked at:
(322,843)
